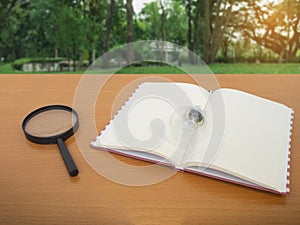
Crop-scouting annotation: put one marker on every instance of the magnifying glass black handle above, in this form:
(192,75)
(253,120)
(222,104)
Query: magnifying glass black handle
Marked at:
(69,162)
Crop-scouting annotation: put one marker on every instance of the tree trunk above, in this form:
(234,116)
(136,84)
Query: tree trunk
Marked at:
(130,37)
(6,8)
(91,38)
(215,29)
(196,35)
(91,55)
(190,30)
(225,45)
(163,20)
(56,51)
(207,29)
(109,23)
(13,54)
(74,57)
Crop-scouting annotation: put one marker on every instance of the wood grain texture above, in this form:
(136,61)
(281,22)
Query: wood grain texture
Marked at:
(35,187)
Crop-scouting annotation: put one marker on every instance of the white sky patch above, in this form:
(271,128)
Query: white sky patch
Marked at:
(139,4)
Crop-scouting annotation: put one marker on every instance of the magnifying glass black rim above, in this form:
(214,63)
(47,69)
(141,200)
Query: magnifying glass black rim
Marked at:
(51,139)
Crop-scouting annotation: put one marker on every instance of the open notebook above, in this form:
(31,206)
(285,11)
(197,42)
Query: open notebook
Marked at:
(244,139)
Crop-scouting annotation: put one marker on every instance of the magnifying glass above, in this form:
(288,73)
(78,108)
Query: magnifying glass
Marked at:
(53,125)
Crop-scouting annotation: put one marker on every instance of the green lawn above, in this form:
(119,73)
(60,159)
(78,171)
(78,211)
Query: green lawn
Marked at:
(217,68)
(263,68)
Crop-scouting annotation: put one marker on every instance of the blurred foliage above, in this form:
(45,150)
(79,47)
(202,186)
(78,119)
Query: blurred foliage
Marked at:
(216,30)
(17,64)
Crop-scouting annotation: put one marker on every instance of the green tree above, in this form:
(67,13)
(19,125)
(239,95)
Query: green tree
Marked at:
(108,24)
(176,23)
(274,26)
(71,35)
(149,21)
(12,29)
(195,14)
(42,28)
(163,21)
(6,6)
(115,28)
(95,15)
(130,30)
(217,16)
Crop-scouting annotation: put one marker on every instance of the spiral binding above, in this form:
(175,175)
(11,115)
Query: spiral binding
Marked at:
(288,186)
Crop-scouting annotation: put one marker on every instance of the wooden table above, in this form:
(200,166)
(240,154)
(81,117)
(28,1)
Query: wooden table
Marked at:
(36,189)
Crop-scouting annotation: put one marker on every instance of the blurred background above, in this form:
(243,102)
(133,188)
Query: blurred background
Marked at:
(231,36)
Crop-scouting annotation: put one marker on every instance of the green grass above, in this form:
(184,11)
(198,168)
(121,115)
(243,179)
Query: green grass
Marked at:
(263,68)
(217,68)
(151,70)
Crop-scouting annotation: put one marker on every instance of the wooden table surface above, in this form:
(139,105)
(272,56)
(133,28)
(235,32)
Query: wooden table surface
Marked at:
(36,189)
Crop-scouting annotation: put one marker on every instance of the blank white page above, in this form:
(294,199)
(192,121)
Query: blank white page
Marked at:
(255,145)
(144,123)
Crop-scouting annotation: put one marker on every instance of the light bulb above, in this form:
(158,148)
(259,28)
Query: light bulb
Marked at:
(185,121)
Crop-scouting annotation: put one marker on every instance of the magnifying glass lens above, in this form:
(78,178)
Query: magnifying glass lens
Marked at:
(50,123)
